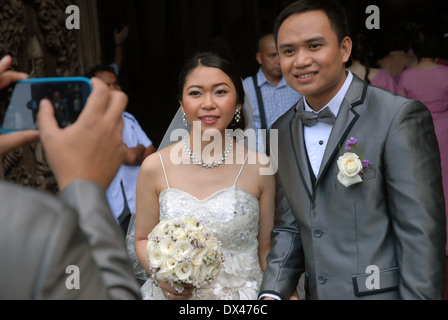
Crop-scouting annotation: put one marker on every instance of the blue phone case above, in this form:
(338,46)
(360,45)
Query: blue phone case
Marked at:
(24,103)
(57,79)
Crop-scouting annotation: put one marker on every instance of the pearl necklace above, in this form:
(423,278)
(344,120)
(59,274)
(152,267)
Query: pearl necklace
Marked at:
(214,164)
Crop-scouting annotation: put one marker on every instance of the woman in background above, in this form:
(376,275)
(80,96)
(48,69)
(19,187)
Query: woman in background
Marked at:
(361,65)
(428,83)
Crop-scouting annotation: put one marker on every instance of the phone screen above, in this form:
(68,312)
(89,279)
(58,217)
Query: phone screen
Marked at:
(68,96)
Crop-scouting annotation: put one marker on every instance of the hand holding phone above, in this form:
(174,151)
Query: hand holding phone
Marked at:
(67,94)
(8,77)
(9,142)
(92,148)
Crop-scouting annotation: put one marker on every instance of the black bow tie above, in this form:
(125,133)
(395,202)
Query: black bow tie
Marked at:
(311,118)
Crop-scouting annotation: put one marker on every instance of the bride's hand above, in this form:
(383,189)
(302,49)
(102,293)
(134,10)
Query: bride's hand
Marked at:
(172,293)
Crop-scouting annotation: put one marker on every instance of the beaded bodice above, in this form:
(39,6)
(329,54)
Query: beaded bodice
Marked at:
(232,214)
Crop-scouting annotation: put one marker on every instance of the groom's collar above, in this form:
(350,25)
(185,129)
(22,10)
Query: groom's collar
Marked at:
(336,102)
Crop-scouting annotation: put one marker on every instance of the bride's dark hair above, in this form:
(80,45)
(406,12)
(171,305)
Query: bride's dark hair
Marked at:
(215,59)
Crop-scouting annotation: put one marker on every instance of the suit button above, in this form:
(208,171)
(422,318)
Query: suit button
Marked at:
(321,279)
(318,233)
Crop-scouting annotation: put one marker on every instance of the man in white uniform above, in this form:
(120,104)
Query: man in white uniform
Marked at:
(121,192)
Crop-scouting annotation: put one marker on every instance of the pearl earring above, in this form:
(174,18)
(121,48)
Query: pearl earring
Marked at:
(184,119)
(238,115)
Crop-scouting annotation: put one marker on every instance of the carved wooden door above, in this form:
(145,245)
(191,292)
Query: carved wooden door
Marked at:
(34,33)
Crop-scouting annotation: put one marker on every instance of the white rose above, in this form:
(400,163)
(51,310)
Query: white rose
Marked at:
(170,263)
(158,231)
(166,246)
(183,271)
(198,236)
(213,243)
(200,273)
(349,167)
(213,269)
(164,274)
(190,222)
(150,246)
(182,249)
(179,234)
(156,258)
(198,256)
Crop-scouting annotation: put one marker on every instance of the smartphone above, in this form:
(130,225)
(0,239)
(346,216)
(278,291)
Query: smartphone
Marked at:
(67,94)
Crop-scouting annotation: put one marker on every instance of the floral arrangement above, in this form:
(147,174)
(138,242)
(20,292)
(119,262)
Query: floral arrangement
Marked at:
(351,167)
(184,252)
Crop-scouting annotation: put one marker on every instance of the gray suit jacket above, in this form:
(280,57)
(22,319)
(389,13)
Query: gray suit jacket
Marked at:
(394,219)
(41,235)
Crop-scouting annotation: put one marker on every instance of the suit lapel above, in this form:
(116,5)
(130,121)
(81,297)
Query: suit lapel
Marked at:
(299,148)
(345,120)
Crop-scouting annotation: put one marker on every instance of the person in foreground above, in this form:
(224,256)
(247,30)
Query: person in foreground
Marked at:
(231,198)
(360,206)
(45,238)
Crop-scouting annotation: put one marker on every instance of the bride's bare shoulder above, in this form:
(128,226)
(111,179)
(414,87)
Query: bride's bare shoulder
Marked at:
(153,163)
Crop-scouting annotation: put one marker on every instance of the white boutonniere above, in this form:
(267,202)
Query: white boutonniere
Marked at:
(351,167)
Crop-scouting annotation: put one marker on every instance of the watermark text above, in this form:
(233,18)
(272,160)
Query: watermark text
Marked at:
(373,281)
(73,280)
(73,21)
(373,20)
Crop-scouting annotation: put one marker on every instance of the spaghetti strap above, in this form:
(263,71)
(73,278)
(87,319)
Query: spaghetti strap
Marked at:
(242,167)
(164,172)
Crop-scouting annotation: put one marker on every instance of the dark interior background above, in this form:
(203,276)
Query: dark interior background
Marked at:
(164,32)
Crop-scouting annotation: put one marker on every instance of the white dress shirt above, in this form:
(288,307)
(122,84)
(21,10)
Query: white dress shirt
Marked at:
(317,136)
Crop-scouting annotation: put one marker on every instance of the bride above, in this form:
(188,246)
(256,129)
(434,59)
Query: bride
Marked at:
(210,177)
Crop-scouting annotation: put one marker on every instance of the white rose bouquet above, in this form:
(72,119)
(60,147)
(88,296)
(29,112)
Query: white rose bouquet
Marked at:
(184,252)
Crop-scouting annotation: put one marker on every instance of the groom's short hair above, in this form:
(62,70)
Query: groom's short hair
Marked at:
(332,8)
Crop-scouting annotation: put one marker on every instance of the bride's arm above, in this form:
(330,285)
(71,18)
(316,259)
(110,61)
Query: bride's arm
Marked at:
(150,183)
(266,222)
(147,206)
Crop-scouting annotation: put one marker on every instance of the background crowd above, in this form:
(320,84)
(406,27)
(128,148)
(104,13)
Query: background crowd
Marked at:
(166,32)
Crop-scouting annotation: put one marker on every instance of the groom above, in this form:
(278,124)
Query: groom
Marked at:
(360,230)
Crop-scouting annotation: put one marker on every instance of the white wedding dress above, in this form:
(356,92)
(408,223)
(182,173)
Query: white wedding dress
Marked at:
(232,214)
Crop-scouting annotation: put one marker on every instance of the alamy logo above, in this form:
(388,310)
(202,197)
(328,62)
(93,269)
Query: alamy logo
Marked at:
(73,21)
(373,281)
(373,21)
(73,280)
